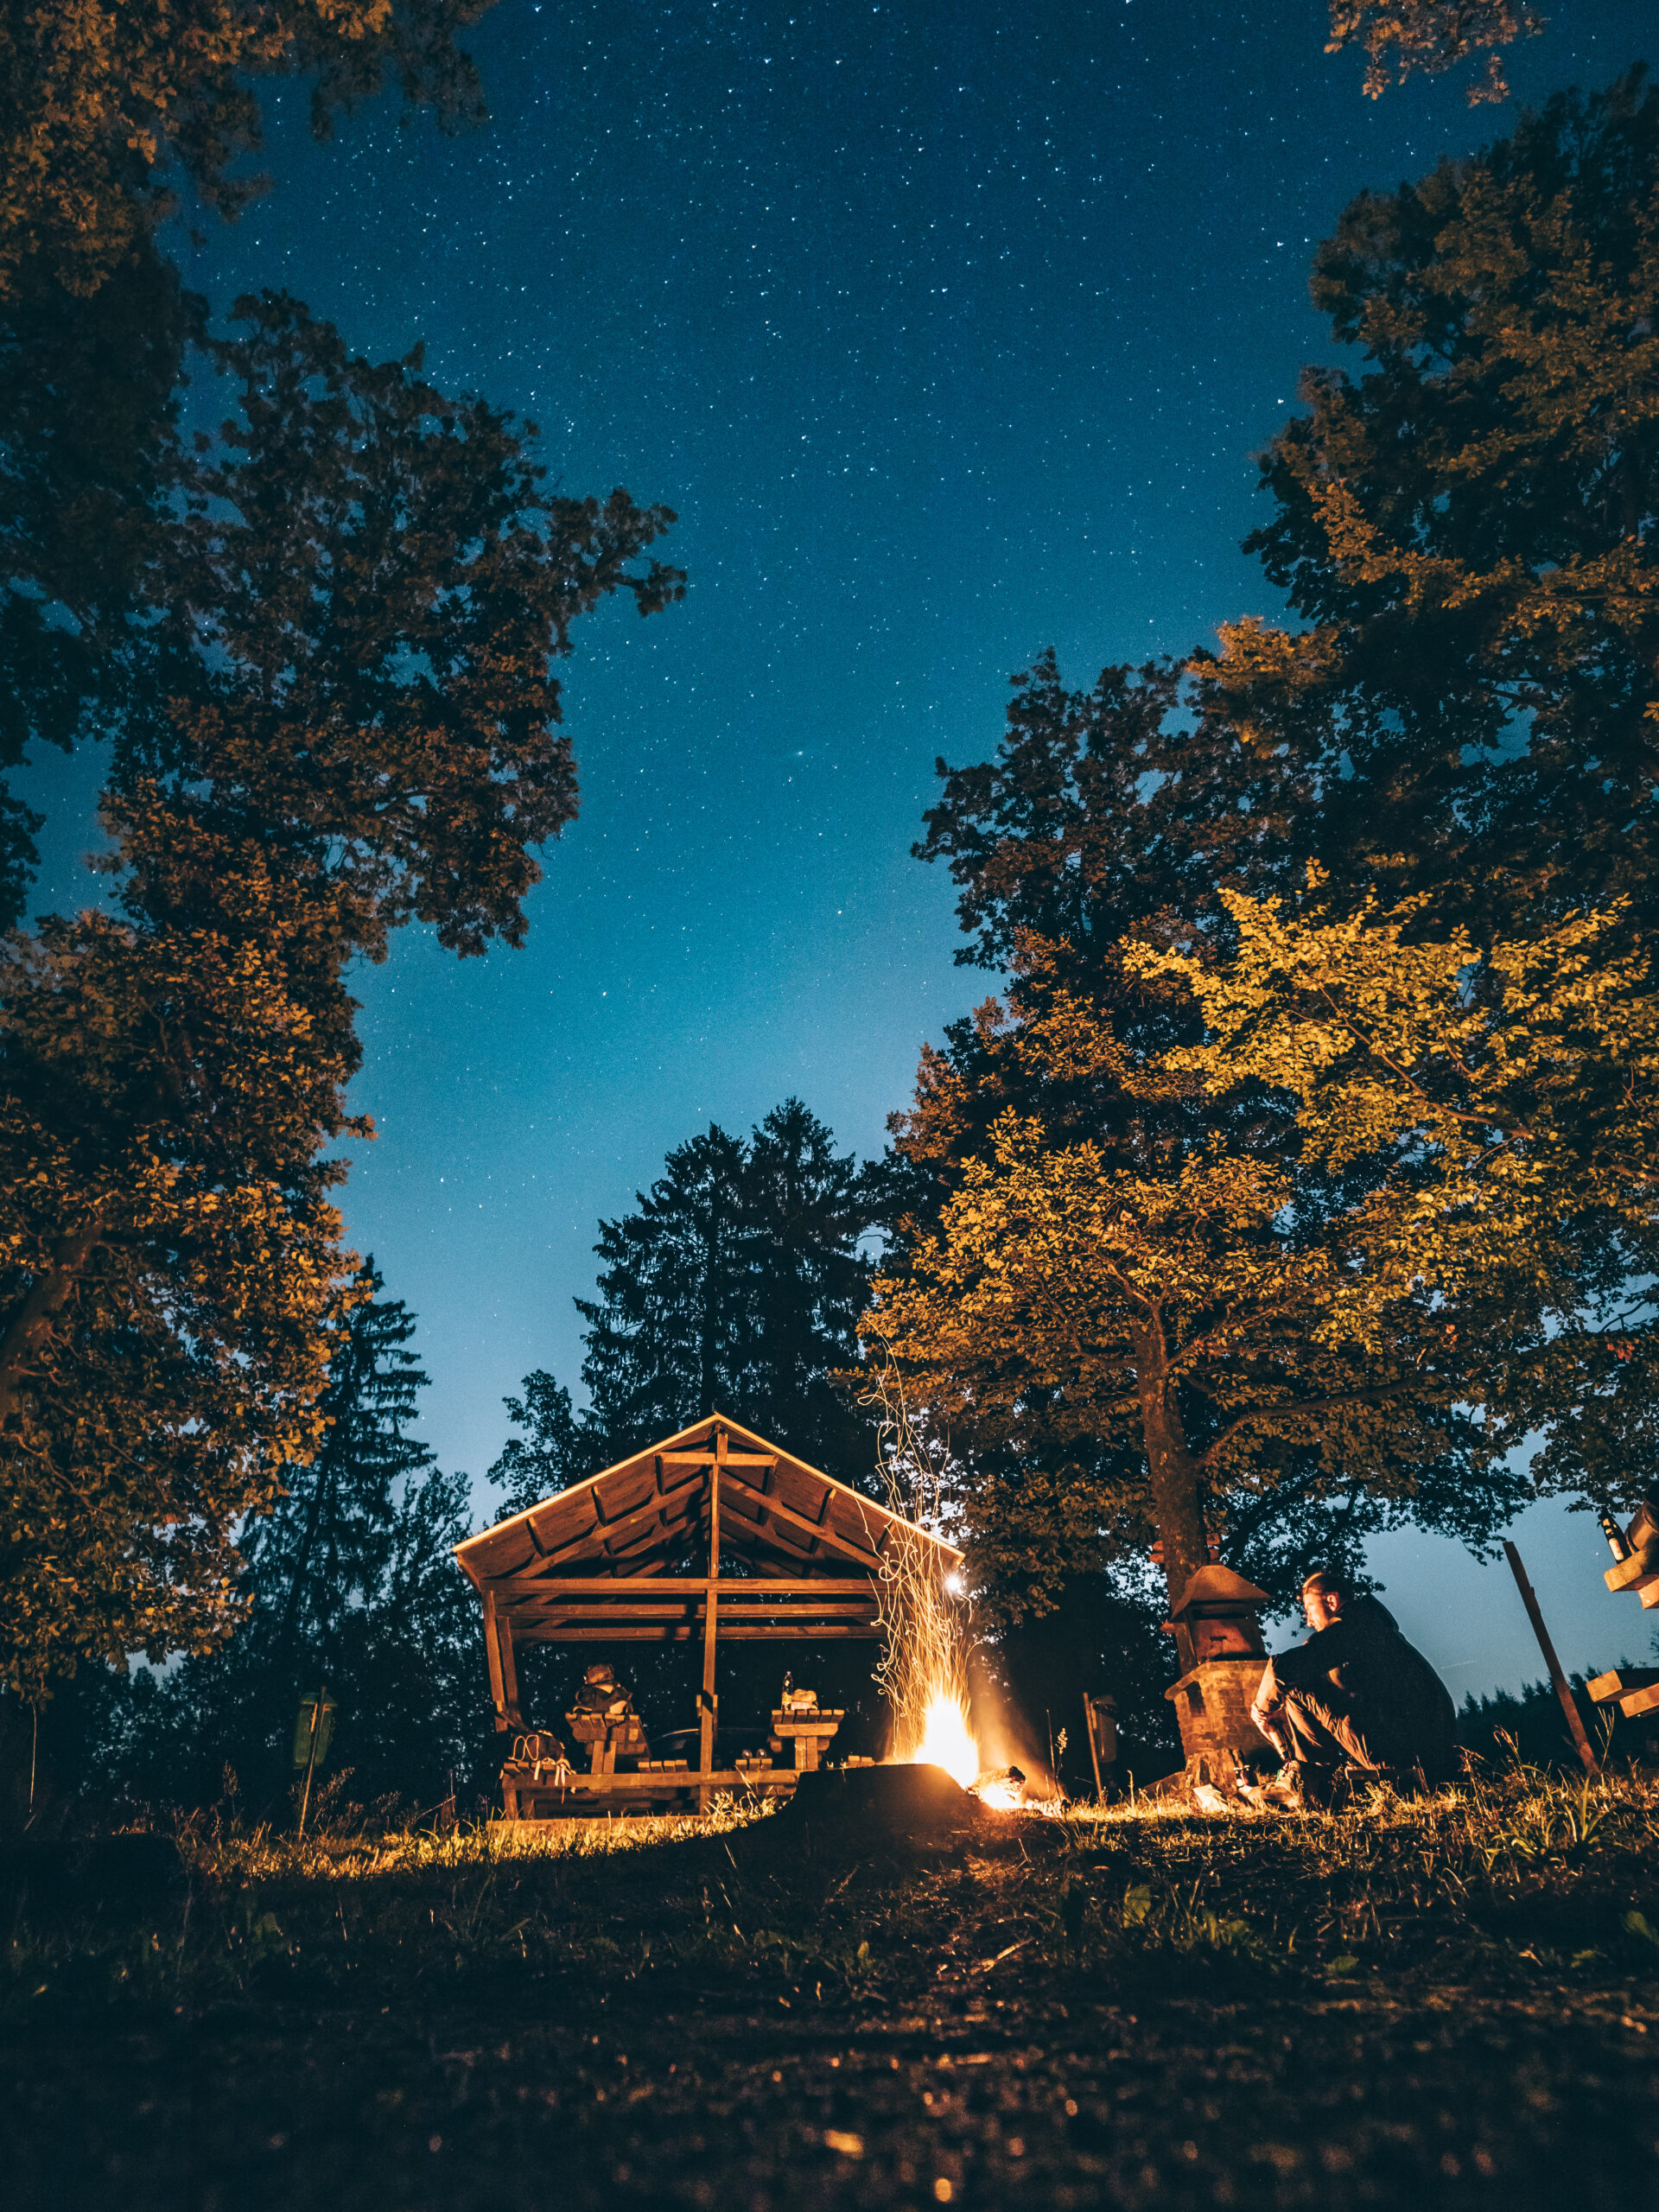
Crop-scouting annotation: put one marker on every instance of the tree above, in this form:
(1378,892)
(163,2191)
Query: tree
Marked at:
(1431,35)
(349,1580)
(557,1451)
(808,1210)
(339,716)
(1468,530)
(736,1285)
(326,1546)
(1469,719)
(1509,1090)
(670,1334)
(104,111)
(103,104)
(1171,1312)
(171,1265)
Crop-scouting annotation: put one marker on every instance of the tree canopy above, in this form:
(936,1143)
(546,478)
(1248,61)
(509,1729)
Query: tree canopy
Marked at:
(1103,1208)
(321,641)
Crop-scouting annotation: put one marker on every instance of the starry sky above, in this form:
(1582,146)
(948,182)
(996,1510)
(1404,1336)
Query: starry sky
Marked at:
(948,330)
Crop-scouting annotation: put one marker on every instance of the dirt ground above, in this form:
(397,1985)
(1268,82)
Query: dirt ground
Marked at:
(1401,2006)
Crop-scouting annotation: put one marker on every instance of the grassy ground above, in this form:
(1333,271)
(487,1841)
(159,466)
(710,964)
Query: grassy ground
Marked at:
(1452,2002)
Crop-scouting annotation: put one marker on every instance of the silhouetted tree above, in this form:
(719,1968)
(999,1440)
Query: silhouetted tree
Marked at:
(736,1285)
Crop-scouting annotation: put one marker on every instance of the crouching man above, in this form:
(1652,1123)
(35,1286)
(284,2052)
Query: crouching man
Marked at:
(1355,1700)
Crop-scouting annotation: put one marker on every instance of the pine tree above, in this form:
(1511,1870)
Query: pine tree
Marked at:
(736,1287)
(808,1207)
(350,1580)
(670,1335)
(324,1548)
(556,1451)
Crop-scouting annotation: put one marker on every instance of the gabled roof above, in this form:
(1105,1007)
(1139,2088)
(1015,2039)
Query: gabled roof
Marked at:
(776,1512)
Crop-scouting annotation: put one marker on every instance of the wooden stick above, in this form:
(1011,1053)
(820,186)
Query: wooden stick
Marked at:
(1094,1749)
(1530,1599)
(709,1705)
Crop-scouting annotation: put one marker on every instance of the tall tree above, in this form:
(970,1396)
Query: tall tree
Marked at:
(340,715)
(325,1547)
(736,1285)
(1511,1093)
(808,1209)
(106,112)
(1471,717)
(1166,1320)
(1468,530)
(106,107)
(671,1334)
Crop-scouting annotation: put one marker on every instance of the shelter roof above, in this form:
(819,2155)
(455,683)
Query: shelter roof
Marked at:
(637,1517)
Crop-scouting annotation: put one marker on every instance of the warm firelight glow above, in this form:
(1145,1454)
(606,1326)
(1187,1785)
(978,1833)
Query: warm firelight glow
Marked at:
(946,1741)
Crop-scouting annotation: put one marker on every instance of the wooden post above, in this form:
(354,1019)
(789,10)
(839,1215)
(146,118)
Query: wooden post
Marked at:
(708,1703)
(509,1670)
(1094,1749)
(493,1659)
(311,1760)
(1530,1599)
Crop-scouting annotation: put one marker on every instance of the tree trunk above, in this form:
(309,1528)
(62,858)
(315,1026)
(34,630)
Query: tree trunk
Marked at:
(31,1325)
(1173,1473)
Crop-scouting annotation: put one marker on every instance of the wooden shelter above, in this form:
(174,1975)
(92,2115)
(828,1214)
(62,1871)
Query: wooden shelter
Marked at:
(712,1535)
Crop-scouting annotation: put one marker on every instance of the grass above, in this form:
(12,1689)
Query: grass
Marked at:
(1452,2001)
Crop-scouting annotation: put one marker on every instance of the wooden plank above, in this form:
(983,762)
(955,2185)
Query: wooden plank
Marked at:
(1530,1599)
(1620,1682)
(577,1586)
(820,1531)
(493,1660)
(509,1670)
(692,1609)
(1630,1572)
(713,1459)
(734,1631)
(708,1705)
(1640,1701)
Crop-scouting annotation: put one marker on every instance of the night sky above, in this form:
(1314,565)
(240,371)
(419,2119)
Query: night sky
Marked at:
(950,331)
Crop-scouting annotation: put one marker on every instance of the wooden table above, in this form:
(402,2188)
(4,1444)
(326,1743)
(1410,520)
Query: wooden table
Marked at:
(808,1731)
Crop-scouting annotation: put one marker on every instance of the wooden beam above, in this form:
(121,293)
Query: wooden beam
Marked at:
(508,1715)
(509,1670)
(819,1530)
(708,1706)
(714,1458)
(688,1632)
(692,1613)
(505,1587)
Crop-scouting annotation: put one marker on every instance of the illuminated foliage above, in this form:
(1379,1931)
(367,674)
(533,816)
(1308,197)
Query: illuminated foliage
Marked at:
(1431,37)
(1468,530)
(1509,1092)
(1158,1322)
(102,100)
(334,712)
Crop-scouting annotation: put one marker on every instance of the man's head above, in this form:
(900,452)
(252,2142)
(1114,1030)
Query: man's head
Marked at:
(1323,1596)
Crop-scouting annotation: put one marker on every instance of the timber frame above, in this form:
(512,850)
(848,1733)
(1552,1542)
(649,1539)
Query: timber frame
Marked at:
(791,1555)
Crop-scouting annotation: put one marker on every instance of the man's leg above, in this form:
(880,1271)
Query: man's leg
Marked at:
(1328,1736)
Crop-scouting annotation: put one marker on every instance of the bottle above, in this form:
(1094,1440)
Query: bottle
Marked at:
(1615,1535)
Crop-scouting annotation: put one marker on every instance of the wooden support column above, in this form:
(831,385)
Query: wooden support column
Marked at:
(509,1670)
(493,1659)
(708,1702)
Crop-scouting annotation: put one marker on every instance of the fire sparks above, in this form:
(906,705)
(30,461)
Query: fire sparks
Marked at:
(946,1741)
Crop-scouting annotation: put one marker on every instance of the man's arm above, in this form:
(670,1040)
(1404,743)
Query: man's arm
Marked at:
(1266,1708)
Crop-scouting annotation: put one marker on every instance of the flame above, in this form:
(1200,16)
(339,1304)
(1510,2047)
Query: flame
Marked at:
(946,1740)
